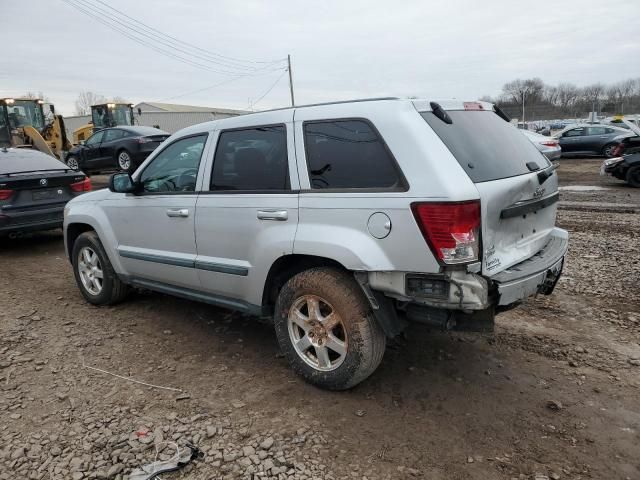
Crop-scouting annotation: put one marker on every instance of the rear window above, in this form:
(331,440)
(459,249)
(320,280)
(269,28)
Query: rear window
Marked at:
(485,146)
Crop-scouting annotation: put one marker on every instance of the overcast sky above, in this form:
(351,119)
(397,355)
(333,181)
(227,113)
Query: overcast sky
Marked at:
(339,49)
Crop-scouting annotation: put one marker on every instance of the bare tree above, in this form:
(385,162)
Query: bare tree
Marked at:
(117,99)
(568,93)
(85,100)
(36,96)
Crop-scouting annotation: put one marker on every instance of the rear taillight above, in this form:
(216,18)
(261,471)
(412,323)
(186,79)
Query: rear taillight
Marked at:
(6,194)
(144,140)
(452,229)
(81,186)
(550,144)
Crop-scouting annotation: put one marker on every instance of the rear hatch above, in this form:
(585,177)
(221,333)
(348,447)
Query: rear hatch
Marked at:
(518,204)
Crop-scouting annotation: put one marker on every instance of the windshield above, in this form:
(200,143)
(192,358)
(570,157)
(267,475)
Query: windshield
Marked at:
(25,112)
(485,146)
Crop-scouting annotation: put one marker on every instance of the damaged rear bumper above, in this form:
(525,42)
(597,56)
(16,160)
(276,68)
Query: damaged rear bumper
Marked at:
(537,274)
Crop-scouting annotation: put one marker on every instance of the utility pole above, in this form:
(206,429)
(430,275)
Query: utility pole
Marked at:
(293,102)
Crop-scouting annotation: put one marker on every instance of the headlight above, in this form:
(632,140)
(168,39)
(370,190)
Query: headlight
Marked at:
(613,161)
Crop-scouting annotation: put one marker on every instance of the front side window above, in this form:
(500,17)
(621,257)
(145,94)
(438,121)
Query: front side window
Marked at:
(576,132)
(94,139)
(348,154)
(175,169)
(251,159)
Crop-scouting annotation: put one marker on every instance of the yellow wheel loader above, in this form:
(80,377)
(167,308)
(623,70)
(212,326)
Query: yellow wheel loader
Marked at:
(23,124)
(105,115)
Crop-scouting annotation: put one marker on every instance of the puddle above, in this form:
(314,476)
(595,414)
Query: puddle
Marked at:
(582,188)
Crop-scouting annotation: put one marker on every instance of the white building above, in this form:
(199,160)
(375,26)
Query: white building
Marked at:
(169,117)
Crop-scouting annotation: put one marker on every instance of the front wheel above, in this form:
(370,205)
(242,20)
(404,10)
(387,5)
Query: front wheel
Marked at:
(326,329)
(124,161)
(96,279)
(633,176)
(607,150)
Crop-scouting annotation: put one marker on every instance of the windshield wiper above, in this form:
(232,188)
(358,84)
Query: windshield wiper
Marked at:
(439,112)
(544,175)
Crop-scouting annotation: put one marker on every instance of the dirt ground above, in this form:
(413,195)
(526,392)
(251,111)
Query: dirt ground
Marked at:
(555,393)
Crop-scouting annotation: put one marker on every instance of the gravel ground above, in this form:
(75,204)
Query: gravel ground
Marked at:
(553,394)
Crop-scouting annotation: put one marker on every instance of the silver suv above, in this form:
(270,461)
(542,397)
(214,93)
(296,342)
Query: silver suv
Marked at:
(342,222)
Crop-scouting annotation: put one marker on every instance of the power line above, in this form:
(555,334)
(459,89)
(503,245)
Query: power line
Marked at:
(233,59)
(130,32)
(168,41)
(270,88)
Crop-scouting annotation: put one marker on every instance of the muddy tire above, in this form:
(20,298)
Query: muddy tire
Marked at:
(326,329)
(96,279)
(633,176)
(608,149)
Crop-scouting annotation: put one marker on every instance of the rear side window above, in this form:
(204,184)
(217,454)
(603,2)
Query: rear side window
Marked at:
(596,131)
(112,135)
(348,154)
(485,146)
(251,159)
(576,132)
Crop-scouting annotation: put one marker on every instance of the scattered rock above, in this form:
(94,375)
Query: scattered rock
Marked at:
(554,405)
(267,443)
(360,413)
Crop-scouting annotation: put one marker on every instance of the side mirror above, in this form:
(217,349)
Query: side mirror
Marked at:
(52,108)
(139,111)
(122,183)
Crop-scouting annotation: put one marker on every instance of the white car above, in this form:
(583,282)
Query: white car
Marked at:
(342,222)
(548,146)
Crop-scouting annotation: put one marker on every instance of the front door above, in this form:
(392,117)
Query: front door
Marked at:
(155,228)
(247,217)
(571,140)
(91,152)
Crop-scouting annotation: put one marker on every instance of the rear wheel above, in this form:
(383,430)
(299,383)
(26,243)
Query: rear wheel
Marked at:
(98,282)
(72,163)
(608,149)
(124,160)
(633,176)
(326,329)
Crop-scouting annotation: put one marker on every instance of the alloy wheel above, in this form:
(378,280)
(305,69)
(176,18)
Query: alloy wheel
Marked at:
(317,333)
(124,161)
(90,270)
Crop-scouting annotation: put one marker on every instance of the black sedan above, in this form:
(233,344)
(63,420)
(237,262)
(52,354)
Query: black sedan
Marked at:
(625,168)
(34,188)
(588,139)
(120,148)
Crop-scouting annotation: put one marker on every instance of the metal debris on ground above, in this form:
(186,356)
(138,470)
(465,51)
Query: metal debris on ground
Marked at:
(153,469)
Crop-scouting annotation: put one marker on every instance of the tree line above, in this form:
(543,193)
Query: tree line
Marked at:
(567,100)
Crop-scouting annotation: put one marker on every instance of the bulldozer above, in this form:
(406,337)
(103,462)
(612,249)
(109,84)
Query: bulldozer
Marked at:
(23,124)
(105,115)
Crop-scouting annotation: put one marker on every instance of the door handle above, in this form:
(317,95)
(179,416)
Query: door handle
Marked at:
(178,212)
(279,215)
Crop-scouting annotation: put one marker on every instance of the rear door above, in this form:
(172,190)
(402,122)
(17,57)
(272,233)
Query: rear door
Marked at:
(110,143)
(595,138)
(247,214)
(518,211)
